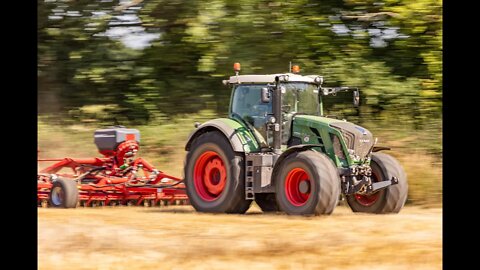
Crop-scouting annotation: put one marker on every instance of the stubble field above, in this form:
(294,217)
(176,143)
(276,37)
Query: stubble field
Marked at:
(177,237)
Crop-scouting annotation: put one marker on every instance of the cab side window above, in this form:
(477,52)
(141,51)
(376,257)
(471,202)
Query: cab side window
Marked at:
(247,104)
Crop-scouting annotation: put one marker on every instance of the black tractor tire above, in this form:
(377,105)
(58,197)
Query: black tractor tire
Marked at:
(267,202)
(64,193)
(323,188)
(213,148)
(389,200)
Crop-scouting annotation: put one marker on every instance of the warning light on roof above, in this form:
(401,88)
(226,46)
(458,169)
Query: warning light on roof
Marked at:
(236,67)
(295,69)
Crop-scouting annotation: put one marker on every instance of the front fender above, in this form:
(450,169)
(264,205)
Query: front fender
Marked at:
(240,138)
(380,148)
(293,149)
(296,148)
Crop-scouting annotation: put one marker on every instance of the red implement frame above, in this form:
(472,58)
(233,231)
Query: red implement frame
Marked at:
(111,184)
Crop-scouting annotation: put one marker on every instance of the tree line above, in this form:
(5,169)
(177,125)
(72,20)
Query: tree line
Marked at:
(391,50)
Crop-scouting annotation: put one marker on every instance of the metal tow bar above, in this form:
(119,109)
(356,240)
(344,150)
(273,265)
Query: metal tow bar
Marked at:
(382,185)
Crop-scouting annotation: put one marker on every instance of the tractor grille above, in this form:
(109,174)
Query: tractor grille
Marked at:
(358,139)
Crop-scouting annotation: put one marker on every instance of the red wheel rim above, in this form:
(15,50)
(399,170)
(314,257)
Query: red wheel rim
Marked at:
(209,176)
(368,200)
(298,186)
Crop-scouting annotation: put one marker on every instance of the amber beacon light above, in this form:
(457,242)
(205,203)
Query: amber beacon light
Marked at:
(236,67)
(295,69)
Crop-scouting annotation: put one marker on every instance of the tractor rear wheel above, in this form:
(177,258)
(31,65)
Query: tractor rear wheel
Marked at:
(64,193)
(389,200)
(214,176)
(267,202)
(307,183)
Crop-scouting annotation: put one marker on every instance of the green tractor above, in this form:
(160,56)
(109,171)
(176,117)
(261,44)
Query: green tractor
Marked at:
(276,148)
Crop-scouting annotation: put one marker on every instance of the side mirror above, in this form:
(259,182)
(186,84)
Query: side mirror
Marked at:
(265,95)
(356,98)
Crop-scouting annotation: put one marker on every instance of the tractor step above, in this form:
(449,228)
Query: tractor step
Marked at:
(249,192)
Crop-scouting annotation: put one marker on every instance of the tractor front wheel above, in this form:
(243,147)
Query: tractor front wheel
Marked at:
(214,176)
(389,200)
(307,183)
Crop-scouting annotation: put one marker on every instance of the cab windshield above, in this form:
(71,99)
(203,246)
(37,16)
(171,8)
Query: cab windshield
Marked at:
(300,98)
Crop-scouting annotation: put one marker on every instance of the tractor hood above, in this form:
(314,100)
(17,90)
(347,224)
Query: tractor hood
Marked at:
(356,138)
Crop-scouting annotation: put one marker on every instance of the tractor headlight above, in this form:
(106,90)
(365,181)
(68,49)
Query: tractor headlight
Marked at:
(282,78)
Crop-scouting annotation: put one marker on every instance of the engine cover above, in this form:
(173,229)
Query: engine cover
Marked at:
(357,138)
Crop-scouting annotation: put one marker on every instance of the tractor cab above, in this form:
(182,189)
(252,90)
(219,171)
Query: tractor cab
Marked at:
(299,97)
(254,98)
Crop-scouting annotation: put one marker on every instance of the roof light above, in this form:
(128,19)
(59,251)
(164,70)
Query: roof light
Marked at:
(295,69)
(236,67)
(282,78)
(319,79)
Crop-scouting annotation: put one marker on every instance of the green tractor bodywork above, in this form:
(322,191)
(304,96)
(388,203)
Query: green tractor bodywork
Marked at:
(317,130)
(272,119)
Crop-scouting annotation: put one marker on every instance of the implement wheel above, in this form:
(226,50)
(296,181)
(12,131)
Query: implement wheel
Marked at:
(389,200)
(307,184)
(214,176)
(64,193)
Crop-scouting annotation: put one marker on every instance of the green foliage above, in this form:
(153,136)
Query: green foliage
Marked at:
(391,50)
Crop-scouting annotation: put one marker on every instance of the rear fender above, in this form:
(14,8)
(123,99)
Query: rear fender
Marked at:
(240,138)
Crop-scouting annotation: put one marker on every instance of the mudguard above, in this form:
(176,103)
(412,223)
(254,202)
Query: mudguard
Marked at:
(296,148)
(241,139)
(290,150)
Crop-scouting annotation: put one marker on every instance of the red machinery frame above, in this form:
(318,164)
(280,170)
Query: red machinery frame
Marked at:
(101,181)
